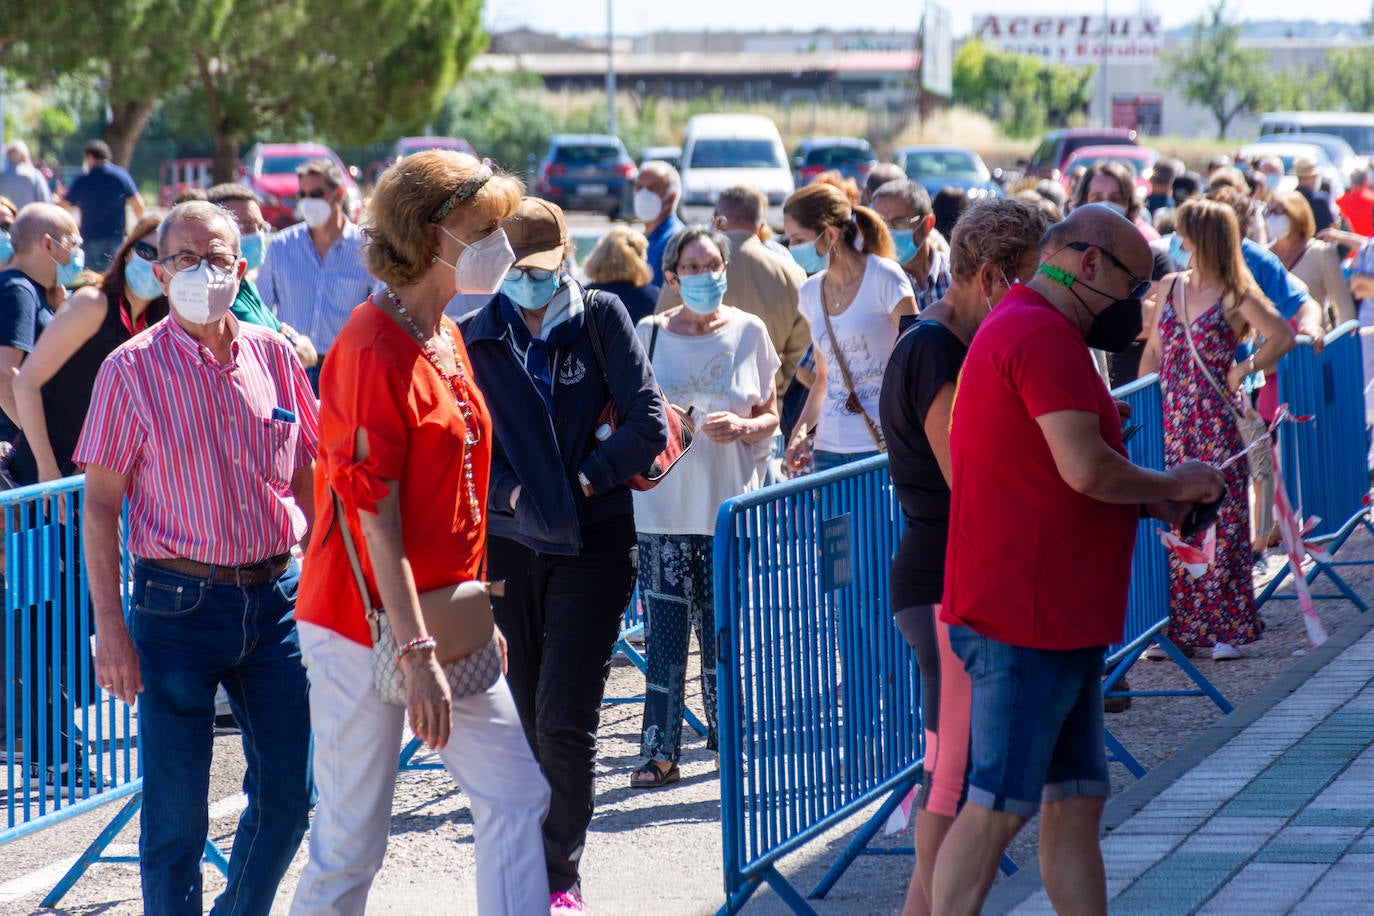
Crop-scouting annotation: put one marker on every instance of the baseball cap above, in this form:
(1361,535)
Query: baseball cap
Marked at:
(537,234)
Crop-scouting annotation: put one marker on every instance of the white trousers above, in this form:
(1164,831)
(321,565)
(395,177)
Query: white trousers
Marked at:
(357,745)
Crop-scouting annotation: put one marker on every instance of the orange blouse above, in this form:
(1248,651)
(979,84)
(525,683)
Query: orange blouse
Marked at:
(377,379)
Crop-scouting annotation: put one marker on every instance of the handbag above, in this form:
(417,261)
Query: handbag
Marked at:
(852,403)
(1250,425)
(679,422)
(458,617)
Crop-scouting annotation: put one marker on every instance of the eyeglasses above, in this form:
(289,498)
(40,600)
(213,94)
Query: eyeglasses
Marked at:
(536,274)
(67,242)
(316,193)
(189,260)
(686,270)
(908,222)
(1139,287)
(145,251)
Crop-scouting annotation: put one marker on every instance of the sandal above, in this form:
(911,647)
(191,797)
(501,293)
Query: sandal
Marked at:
(654,775)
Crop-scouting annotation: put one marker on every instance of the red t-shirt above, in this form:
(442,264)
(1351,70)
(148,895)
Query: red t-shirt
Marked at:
(1357,205)
(377,379)
(1031,562)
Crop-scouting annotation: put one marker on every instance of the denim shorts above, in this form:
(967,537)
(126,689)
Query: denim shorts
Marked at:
(1036,732)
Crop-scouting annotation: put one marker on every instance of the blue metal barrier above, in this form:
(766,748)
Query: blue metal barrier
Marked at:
(1147,610)
(1325,460)
(819,693)
(55,715)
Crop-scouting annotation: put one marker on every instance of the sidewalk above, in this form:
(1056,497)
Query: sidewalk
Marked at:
(1271,811)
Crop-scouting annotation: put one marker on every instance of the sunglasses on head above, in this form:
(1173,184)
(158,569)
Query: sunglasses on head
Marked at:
(1139,287)
(145,251)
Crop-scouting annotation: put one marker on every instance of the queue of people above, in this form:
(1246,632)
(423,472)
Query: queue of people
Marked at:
(527,420)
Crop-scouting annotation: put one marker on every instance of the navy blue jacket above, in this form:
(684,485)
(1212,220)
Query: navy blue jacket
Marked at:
(543,454)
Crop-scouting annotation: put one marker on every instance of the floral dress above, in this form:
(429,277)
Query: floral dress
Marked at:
(1218,606)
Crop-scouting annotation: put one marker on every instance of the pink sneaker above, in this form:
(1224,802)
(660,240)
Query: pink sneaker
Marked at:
(565,902)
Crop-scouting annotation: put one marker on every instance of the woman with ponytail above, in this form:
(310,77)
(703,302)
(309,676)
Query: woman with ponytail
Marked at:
(854,301)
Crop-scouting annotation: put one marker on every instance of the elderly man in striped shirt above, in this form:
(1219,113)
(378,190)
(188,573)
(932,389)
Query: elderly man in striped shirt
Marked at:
(208,427)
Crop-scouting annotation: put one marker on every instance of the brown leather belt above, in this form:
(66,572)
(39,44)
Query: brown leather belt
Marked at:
(243,576)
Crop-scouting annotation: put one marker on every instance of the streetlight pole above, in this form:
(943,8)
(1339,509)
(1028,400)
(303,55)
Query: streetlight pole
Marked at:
(1106,57)
(610,70)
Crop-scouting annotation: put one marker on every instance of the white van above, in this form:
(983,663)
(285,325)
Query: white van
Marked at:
(1355,128)
(720,151)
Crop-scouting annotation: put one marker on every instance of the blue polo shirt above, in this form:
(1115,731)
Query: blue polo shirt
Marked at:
(1286,291)
(658,241)
(100,194)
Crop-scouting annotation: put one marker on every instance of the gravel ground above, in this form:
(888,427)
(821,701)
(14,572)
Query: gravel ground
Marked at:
(657,851)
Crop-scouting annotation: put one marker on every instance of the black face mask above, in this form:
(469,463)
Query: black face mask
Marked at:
(1116,327)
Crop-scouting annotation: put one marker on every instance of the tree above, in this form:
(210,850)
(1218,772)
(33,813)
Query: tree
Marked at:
(501,115)
(1216,73)
(1350,78)
(1019,90)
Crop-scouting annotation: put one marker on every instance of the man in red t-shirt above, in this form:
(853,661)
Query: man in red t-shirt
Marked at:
(1357,204)
(1042,526)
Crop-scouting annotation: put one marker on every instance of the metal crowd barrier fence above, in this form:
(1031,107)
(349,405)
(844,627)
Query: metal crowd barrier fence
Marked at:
(819,695)
(1147,610)
(1325,460)
(69,747)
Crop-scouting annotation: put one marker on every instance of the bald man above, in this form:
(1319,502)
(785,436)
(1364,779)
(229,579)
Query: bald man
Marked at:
(1044,496)
(47,246)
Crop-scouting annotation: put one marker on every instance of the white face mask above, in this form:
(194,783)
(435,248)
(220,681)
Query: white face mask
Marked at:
(202,295)
(1277,226)
(647,205)
(482,265)
(314,210)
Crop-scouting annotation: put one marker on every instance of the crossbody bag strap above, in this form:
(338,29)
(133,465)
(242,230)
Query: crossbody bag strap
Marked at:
(653,338)
(352,550)
(873,430)
(1182,316)
(594,337)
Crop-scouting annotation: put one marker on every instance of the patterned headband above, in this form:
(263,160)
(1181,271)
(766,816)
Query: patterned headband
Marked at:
(465,190)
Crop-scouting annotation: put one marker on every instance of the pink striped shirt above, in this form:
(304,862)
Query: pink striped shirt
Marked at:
(209,448)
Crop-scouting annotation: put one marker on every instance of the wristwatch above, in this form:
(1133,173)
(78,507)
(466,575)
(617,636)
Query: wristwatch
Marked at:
(586,484)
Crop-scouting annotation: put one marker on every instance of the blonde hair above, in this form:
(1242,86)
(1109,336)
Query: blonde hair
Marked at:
(401,244)
(1298,211)
(620,257)
(1213,229)
(819,205)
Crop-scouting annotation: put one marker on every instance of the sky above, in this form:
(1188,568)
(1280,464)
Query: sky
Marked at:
(587,17)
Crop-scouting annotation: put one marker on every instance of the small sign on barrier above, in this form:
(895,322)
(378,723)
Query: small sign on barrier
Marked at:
(837,553)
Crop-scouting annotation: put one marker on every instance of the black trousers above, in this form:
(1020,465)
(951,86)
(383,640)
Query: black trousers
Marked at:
(561,617)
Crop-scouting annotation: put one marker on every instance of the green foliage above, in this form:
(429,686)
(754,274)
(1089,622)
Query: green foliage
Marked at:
(1019,90)
(1216,73)
(501,115)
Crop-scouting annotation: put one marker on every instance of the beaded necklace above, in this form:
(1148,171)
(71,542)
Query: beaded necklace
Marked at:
(457,384)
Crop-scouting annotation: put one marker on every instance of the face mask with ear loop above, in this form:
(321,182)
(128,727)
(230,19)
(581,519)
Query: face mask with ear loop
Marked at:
(1115,327)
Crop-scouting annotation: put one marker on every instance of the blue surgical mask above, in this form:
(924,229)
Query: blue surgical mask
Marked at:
(702,293)
(6,247)
(67,273)
(529,294)
(1177,254)
(139,279)
(905,240)
(805,255)
(252,248)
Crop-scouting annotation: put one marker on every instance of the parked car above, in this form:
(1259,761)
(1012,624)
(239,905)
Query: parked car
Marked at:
(1054,150)
(1139,159)
(852,157)
(177,176)
(669,154)
(587,172)
(1288,153)
(270,170)
(1355,128)
(936,167)
(720,151)
(1342,154)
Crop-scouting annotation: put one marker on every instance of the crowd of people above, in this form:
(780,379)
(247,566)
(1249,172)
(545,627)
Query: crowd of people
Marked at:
(316,431)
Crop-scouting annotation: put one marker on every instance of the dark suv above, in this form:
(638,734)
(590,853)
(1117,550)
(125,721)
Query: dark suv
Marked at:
(1049,157)
(587,172)
(851,156)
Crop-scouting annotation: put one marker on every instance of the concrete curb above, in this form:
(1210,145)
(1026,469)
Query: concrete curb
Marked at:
(1011,892)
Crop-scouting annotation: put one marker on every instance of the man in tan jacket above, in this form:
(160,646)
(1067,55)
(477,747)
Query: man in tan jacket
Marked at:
(760,282)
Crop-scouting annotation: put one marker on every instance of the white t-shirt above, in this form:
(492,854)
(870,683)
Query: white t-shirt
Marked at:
(731,369)
(866,333)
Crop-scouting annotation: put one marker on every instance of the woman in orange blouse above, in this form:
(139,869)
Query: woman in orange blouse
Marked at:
(405,442)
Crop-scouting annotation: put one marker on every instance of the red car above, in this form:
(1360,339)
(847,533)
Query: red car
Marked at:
(270,170)
(1054,150)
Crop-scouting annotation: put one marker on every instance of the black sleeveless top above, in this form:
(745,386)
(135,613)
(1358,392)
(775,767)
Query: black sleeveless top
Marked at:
(67,395)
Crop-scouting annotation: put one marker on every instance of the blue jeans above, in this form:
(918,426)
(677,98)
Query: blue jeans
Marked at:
(191,635)
(1035,723)
(827,460)
(100,251)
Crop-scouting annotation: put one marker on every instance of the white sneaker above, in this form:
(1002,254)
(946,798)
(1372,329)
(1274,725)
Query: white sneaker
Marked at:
(1155,653)
(1225,652)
